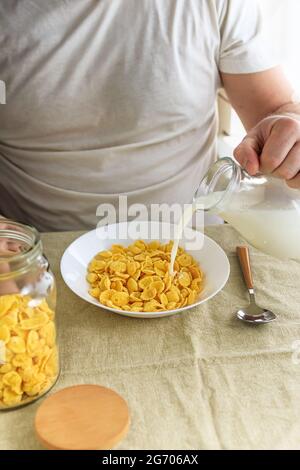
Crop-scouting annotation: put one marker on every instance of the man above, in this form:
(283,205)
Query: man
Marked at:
(110,97)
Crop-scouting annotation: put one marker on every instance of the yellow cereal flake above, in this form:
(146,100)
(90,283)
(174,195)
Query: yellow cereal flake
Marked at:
(104,284)
(44,307)
(151,306)
(6,302)
(136,278)
(192,297)
(135,296)
(155,245)
(168,281)
(117,285)
(132,285)
(132,267)
(135,308)
(32,343)
(97,266)
(16,345)
(145,282)
(161,267)
(34,323)
(149,293)
(4,334)
(119,298)
(5,368)
(137,274)
(171,306)
(184,293)
(172,296)
(105,296)
(21,360)
(51,364)
(185,260)
(104,254)
(118,267)
(117,249)
(92,278)
(8,321)
(13,381)
(11,398)
(135,249)
(140,244)
(141,257)
(32,388)
(159,286)
(164,299)
(94,292)
(137,305)
(196,284)
(195,272)
(184,279)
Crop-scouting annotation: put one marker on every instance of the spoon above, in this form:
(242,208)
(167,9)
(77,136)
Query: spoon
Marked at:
(252,314)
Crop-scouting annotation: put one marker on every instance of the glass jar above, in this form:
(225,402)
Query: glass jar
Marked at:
(263,209)
(29,364)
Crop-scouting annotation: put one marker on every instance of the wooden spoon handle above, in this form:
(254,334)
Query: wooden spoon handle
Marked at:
(243,254)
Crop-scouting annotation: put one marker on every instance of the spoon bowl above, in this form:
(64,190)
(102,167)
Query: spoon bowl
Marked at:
(252,314)
(255,314)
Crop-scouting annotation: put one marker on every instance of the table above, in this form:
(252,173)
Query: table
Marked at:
(197,380)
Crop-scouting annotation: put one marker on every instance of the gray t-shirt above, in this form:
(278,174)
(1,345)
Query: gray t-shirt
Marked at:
(114,97)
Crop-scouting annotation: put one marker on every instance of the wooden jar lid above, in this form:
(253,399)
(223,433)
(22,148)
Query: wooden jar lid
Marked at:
(83,417)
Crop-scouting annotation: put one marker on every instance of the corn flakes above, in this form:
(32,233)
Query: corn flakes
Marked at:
(13,381)
(31,360)
(149,293)
(4,334)
(16,344)
(36,322)
(184,279)
(10,398)
(119,298)
(136,278)
(6,302)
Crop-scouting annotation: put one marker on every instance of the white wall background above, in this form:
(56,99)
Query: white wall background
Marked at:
(282,20)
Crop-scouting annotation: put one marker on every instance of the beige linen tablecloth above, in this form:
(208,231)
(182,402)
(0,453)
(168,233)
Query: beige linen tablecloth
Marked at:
(197,380)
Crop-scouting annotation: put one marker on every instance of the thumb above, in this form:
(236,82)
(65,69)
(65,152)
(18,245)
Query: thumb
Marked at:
(247,154)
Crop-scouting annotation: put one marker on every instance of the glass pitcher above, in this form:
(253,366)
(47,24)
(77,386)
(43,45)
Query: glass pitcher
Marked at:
(263,209)
(29,364)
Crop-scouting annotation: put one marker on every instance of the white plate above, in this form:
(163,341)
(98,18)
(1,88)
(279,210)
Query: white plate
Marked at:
(77,256)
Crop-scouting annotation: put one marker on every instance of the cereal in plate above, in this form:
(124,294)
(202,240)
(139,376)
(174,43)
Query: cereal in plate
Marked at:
(137,279)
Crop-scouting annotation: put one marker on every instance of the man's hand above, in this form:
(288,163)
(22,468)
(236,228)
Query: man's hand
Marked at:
(7,246)
(269,110)
(273,148)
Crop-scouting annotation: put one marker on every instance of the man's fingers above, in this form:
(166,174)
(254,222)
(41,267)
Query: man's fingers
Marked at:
(7,245)
(295,182)
(273,147)
(247,154)
(290,167)
(285,133)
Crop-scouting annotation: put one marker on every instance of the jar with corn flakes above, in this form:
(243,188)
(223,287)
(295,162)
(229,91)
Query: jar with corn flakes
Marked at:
(29,364)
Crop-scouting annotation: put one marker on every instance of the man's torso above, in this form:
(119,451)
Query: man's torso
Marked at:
(105,97)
